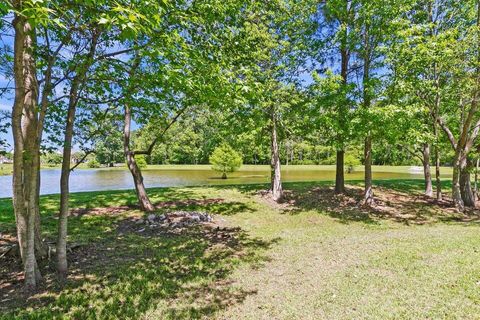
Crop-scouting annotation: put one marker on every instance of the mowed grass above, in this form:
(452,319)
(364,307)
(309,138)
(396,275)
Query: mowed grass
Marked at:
(6,169)
(306,260)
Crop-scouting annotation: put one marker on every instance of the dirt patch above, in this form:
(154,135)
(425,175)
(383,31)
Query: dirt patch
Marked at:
(387,204)
(118,210)
(78,212)
(188,202)
(265,197)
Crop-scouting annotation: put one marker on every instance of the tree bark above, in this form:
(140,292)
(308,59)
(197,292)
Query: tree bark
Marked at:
(426,170)
(62,264)
(276,180)
(26,165)
(456,193)
(368,192)
(142,196)
(437,174)
(465,185)
(340,174)
(477,164)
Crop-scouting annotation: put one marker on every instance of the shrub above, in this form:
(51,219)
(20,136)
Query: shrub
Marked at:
(351,162)
(225,159)
(93,163)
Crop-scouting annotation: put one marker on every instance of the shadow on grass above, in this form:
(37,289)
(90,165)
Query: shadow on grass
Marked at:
(322,199)
(164,274)
(119,200)
(395,200)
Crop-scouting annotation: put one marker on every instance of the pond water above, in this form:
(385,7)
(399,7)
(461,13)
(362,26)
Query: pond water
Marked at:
(117,178)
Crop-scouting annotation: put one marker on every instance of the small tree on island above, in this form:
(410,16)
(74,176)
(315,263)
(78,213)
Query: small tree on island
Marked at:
(225,159)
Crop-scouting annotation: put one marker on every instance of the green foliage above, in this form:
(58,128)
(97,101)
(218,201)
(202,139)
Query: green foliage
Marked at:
(93,163)
(351,161)
(141,161)
(52,158)
(109,149)
(225,159)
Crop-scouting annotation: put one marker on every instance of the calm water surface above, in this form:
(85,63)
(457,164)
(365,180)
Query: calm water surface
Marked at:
(113,179)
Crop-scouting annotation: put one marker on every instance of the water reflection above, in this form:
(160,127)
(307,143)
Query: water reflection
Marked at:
(110,179)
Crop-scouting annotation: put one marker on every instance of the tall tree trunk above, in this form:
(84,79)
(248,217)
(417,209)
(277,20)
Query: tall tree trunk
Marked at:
(368,192)
(437,174)
(456,192)
(276,180)
(75,89)
(142,196)
(26,165)
(62,264)
(426,170)
(340,173)
(465,185)
(477,164)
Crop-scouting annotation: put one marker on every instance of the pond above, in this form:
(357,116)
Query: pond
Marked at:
(171,176)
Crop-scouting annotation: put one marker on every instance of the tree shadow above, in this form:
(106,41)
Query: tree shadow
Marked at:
(168,274)
(410,185)
(343,208)
(398,201)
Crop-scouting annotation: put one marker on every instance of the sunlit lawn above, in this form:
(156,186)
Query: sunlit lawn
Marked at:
(6,169)
(307,261)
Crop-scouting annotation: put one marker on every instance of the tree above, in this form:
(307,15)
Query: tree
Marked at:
(108,150)
(27,127)
(225,159)
(52,158)
(269,73)
(437,59)
(339,15)
(187,70)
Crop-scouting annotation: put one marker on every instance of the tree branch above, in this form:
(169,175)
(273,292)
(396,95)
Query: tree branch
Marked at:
(155,141)
(87,153)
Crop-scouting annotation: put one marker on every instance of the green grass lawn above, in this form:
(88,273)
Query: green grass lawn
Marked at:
(316,257)
(6,169)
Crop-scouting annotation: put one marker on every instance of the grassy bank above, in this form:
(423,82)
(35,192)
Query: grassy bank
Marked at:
(6,169)
(318,256)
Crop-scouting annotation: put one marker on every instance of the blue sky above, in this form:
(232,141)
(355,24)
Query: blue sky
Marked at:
(6,104)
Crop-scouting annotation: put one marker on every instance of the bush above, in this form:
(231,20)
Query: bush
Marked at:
(351,162)
(93,163)
(225,159)
(52,159)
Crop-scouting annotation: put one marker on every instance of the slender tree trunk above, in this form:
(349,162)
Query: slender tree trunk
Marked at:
(465,185)
(76,87)
(287,154)
(477,164)
(368,192)
(276,180)
(142,196)
(426,170)
(26,148)
(62,264)
(437,174)
(456,193)
(340,174)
